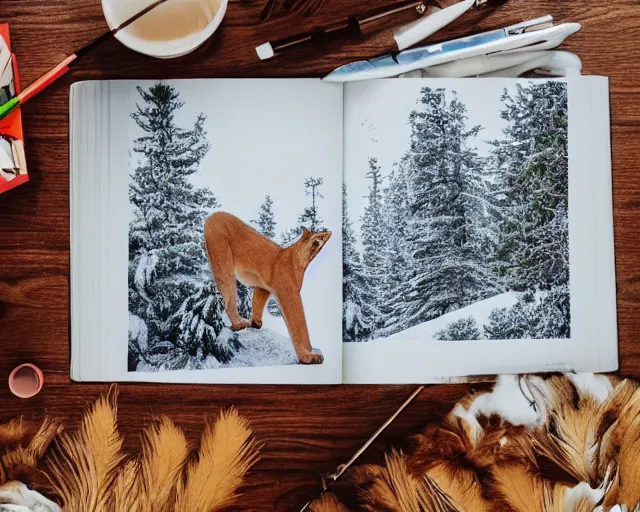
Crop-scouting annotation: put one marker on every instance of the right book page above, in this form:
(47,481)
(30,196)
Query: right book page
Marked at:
(478,229)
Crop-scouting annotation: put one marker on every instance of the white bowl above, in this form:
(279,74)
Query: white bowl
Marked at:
(159,49)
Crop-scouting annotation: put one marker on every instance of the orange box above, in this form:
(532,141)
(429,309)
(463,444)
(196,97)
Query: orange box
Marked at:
(11,130)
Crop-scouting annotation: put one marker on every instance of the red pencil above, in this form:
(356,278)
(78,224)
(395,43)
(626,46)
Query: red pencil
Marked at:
(63,67)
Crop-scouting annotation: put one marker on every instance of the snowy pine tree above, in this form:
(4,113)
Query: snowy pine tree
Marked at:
(266,223)
(533,249)
(461,330)
(373,243)
(395,249)
(357,319)
(310,217)
(167,262)
(449,237)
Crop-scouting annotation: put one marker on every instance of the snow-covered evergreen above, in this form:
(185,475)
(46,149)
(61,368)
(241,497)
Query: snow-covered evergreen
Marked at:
(357,318)
(460,330)
(533,183)
(395,248)
(310,217)
(266,222)
(448,228)
(444,204)
(167,262)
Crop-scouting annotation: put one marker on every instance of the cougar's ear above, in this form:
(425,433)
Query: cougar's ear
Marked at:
(306,234)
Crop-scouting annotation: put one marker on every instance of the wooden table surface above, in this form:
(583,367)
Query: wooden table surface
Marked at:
(307,430)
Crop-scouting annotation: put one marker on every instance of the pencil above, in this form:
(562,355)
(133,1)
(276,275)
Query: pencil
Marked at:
(63,67)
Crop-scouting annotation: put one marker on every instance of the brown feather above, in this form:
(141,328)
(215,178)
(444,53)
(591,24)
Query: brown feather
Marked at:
(21,463)
(396,489)
(16,433)
(625,447)
(84,466)
(461,485)
(126,494)
(522,491)
(227,452)
(164,454)
(569,438)
(328,502)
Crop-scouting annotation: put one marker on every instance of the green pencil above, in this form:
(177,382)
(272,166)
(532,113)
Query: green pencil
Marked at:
(51,76)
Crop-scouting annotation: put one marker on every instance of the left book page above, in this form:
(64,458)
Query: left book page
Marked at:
(194,203)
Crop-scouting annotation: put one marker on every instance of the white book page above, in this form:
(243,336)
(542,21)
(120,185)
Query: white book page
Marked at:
(276,138)
(472,258)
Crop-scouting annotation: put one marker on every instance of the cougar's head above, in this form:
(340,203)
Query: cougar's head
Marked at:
(311,244)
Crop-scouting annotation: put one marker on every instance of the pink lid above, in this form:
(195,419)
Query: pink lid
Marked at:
(26,380)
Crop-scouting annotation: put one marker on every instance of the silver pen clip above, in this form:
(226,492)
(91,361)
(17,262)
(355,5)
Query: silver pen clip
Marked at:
(530,25)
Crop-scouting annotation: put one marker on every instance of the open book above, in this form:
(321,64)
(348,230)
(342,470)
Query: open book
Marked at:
(299,232)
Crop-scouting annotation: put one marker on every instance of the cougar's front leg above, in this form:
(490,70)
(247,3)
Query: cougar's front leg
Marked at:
(260,298)
(293,312)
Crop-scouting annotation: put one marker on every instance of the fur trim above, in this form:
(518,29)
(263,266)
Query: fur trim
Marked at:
(485,456)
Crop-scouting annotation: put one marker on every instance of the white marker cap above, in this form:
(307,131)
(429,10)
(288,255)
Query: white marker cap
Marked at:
(265,51)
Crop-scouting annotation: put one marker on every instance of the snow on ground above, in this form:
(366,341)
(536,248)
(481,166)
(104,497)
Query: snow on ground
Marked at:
(262,347)
(269,346)
(479,310)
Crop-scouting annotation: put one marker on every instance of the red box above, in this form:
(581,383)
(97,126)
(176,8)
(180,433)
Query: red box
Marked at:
(11,129)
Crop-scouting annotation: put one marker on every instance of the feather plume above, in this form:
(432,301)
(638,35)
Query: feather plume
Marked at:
(164,454)
(15,433)
(569,438)
(126,495)
(85,464)
(461,485)
(624,446)
(227,452)
(393,490)
(521,490)
(608,431)
(396,489)
(23,460)
(328,502)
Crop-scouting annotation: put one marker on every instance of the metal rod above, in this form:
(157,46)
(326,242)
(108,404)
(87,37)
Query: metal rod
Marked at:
(343,468)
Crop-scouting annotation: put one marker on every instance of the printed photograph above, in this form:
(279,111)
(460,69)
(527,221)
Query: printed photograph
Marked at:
(221,239)
(455,206)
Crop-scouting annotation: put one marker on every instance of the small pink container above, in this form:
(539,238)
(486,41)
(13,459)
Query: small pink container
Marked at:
(26,381)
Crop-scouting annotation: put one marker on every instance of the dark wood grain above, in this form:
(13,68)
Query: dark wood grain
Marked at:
(307,430)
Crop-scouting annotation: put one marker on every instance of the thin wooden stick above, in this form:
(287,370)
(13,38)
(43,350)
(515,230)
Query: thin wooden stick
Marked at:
(343,468)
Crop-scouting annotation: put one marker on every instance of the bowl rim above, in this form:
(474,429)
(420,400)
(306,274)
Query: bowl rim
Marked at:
(164,49)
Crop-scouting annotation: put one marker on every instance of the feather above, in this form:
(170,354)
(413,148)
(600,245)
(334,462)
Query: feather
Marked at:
(522,491)
(23,460)
(569,438)
(393,490)
(164,454)
(328,502)
(460,485)
(126,494)
(85,463)
(15,496)
(396,489)
(625,447)
(609,436)
(16,433)
(227,452)
(581,498)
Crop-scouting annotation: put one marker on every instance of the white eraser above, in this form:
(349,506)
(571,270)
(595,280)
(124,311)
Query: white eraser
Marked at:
(265,51)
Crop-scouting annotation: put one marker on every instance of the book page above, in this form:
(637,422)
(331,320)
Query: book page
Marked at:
(225,197)
(470,229)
